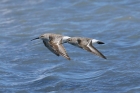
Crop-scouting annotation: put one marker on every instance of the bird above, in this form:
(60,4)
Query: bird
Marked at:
(86,44)
(54,43)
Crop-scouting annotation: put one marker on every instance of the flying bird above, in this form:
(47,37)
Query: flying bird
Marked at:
(54,43)
(86,44)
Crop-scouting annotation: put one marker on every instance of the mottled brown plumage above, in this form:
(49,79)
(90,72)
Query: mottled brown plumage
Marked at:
(54,43)
(86,44)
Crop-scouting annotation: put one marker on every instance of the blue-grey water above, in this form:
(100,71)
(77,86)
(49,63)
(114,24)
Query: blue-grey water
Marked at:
(29,67)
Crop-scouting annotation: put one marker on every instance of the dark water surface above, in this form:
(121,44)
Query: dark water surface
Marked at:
(29,67)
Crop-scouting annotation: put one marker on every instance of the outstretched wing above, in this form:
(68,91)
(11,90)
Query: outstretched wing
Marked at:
(59,48)
(94,50)
(50,48)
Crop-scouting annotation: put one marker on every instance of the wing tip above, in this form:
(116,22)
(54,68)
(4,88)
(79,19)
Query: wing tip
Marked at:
(104,57)
(67,57)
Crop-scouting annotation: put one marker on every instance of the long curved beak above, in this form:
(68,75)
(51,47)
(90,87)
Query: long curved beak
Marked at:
(35,38)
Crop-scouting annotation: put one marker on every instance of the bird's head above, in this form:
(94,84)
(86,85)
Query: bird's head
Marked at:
(43,37)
